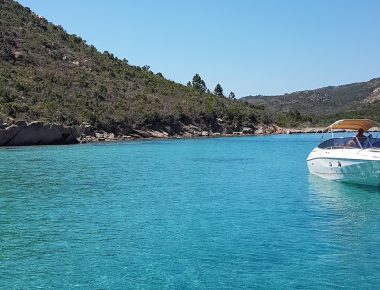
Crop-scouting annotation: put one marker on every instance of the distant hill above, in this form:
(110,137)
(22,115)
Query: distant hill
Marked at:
(47,74)
(327,100)
(321,106)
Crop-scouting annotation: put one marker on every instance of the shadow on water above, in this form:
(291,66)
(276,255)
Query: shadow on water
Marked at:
(325,185)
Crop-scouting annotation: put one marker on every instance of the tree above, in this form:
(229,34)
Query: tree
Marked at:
(109,55)
(199,84)
(146,68)
(231,96)
(218,90)
(188,84)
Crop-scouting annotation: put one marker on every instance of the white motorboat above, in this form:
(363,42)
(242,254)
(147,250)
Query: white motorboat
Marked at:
(348,159)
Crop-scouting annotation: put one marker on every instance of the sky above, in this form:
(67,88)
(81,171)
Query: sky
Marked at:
(250,47)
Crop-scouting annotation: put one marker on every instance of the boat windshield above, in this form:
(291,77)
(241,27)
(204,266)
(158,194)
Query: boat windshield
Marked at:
(350,143)
(375,142)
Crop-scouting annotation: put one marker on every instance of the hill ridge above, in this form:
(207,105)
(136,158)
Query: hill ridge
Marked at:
(47,74)
(320,106)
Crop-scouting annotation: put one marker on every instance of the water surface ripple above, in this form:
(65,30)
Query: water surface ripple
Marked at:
(225,213)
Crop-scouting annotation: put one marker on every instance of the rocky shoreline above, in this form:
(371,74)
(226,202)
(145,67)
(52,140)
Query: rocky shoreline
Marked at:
(21,133)
(189,131)
(193,131)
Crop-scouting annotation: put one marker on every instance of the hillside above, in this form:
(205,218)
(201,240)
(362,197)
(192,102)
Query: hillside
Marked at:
(321,106)
(49,75)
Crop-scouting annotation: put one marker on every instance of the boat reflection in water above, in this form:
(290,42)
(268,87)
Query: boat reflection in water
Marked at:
(348,199)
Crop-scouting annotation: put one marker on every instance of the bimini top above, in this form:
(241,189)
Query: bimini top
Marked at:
(352,124)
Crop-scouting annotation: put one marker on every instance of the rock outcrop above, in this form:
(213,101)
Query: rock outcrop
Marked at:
(374,97)
(22,133)
(268,129)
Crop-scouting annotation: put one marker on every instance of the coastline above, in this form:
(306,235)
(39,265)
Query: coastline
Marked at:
(157,135)
(21,133)
(187,132)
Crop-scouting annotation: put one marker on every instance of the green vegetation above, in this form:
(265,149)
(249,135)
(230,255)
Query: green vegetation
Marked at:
(292,118)
(47,74)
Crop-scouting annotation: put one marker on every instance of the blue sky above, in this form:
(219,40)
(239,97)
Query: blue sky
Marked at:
(250,47)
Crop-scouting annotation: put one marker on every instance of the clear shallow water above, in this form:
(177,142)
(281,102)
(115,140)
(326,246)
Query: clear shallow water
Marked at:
(226,213)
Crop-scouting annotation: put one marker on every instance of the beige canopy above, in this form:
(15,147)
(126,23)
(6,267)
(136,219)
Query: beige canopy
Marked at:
(353,124)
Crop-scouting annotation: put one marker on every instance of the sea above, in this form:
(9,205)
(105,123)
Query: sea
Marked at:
(207,213)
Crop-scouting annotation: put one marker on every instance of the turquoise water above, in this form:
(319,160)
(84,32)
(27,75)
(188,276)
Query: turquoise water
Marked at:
(226,213)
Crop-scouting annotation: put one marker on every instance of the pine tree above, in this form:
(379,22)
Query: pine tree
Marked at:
(199,84)
(231,96)
(218,90)
(146,68)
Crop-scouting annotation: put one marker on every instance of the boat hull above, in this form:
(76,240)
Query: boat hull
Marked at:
(351,170)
